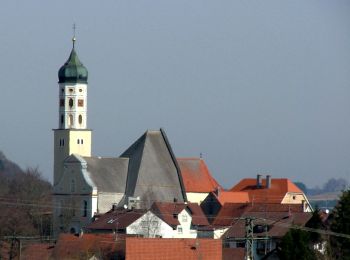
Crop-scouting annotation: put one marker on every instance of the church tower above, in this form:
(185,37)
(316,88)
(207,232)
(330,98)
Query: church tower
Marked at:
(72,135)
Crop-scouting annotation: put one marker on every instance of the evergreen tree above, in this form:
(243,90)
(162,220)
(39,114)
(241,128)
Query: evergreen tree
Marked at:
(340,247)
(295,245)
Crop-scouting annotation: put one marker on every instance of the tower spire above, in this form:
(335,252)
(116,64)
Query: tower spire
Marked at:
(74,39)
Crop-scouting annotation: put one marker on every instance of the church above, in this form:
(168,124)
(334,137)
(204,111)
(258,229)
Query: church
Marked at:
(86,185)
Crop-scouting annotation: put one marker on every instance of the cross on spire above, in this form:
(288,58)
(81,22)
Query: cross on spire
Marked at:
(74,39)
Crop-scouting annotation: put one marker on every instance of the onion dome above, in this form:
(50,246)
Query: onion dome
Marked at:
(73,71)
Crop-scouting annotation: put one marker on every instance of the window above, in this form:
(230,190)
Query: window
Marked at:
(80,102)
(62,119)
(78,141)
(70,102)
(62,142)
(144,224)
(184,218)
(70,120)
(179,230)
(85,208)
(72,185)
(80,90)
(61,102)
(80,119)
(81,141)
(294,197)
(62,90)
(71,90)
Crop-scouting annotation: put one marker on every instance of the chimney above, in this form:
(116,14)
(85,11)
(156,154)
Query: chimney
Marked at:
(268,181)
(258,181)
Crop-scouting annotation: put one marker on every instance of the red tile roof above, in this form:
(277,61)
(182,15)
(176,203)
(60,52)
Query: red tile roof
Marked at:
(173,249)
(274,194)
(168,212)
(37,251)
(118,219)
(196,175)
(72,247)
(233,253)
(232,197)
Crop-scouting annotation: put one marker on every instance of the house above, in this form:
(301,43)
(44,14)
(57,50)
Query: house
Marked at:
(212,204)
(164,219)
(180,248)
(272,190)
(230,212)
(197,179)
(270,222)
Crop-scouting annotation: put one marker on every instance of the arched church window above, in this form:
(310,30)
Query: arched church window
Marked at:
(70,102)
(85,208)
(80,119)
(70,120)
(72,186)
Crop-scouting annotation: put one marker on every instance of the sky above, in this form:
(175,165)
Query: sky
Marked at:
(256,87)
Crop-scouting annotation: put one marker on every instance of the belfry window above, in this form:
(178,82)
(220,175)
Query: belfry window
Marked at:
(78,141)
(72,186)
(85,208)
(80,119)
(71,102)
(70,120)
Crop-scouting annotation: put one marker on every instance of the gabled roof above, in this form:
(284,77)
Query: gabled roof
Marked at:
(278,223)
(108,174)
(153,173)
(231,211)
(69,246)
(168,212)
(275,194)
(232,197)
(116,219)
(196,175)
(173,248)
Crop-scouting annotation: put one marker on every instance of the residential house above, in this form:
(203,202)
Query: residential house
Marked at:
(272,190)
(164,219)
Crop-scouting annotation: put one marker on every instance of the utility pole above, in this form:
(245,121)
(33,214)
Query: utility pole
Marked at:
(249,238)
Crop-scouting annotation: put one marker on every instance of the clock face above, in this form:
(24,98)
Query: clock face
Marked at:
(80,102)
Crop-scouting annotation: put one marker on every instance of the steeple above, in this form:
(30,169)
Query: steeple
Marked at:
(73,70)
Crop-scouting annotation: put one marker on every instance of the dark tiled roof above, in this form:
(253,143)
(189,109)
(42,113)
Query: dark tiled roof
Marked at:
(108,174)
(230,211)
(153,174)
(278,222)
(173,248)
(168,212)
(113,220)
(196,175)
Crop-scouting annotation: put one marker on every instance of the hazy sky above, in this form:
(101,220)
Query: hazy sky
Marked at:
(255,86)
